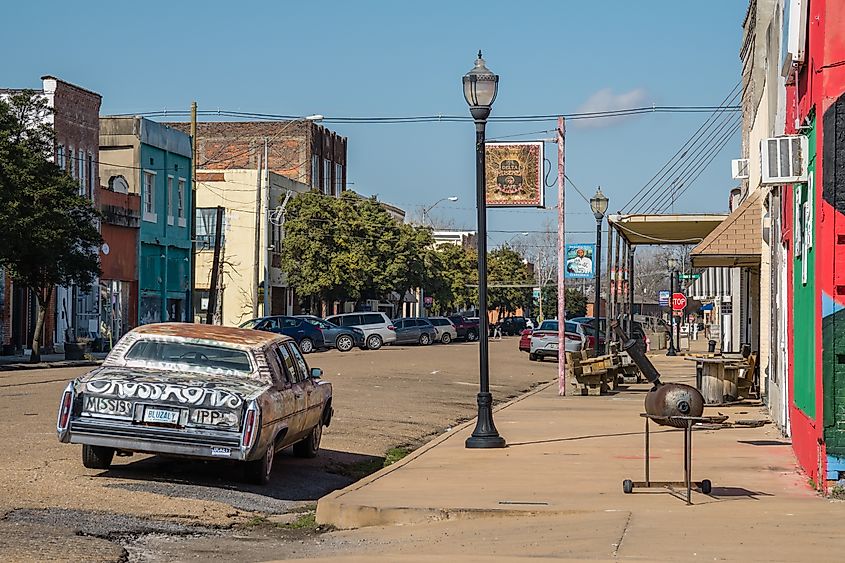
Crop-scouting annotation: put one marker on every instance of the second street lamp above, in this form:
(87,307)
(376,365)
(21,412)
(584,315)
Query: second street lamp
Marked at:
(427,210)
(598,203)
(480,86)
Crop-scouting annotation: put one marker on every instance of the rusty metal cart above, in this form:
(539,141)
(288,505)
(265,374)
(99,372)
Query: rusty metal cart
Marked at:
(686,423)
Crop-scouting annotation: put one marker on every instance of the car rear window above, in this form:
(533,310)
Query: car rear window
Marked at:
(549,325)
(571,327)
(439,322)
(188,356)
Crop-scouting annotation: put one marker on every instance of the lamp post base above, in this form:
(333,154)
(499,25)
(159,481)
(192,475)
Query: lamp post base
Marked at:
(485,434)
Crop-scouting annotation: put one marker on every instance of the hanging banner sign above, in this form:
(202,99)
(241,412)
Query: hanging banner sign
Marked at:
(514,174)
(580,263)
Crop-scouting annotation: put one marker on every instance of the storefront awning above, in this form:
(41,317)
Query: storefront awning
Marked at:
(736,241)
(665,229)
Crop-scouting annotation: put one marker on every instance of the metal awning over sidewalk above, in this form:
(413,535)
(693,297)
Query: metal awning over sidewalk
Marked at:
(736,241)
(665,229)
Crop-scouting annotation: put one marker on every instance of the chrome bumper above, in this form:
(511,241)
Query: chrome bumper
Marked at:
(190,442)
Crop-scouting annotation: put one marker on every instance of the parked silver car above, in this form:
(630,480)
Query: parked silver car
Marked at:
(378,329)
(447,330)
(198,391)
(415,330)
(544,340)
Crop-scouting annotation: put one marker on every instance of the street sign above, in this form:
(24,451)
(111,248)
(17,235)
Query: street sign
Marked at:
(663,298)
(689,276)
(679,302)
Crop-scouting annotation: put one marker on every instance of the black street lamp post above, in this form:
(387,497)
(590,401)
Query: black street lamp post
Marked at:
(673,265)
(480,86)
(598,203)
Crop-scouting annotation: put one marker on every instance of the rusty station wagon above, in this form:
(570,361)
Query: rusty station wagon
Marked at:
(198,391)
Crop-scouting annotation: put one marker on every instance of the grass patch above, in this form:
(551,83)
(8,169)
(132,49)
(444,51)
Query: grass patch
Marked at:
(307,521)
(257,521)
(360,469)
(838,492)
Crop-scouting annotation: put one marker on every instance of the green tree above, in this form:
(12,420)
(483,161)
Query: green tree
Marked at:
(49,231)
(505,266)
(350,248)
(576,302)
(452,270)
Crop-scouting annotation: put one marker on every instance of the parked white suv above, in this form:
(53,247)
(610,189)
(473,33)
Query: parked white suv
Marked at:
(445,328)
(377,327)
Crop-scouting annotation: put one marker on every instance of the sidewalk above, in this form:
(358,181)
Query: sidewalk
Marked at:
(13,363)
(564,466)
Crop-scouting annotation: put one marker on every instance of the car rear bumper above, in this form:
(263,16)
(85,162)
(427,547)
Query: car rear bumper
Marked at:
(189,442)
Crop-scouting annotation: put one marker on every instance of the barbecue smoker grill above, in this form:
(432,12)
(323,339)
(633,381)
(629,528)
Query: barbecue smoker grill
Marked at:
(667,404)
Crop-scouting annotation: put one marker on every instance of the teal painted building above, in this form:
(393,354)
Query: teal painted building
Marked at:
(160,173)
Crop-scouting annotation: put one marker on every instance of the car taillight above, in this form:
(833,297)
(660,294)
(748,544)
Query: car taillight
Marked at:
(249,426)
(65,408)
(570,336)
(591,342)
(526,332)
(391,327)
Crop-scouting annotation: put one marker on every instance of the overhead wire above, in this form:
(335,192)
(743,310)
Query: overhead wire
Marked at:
(682,151)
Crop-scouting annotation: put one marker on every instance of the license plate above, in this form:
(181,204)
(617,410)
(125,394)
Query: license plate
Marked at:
(161,416)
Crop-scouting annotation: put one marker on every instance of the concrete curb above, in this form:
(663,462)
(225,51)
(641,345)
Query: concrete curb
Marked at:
(332,510)
(50,365)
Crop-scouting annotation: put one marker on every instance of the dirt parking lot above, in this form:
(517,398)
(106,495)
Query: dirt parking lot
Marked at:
(393,397)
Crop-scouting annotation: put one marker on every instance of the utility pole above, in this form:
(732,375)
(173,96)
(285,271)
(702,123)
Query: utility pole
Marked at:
(193,217)
(215,268)
(257,255)
(561,239)
(267,238)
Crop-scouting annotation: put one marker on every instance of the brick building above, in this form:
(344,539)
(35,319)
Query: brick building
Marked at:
(302,150)
(75,120)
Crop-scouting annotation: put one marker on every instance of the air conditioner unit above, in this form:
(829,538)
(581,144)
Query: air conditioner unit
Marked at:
(783,160)
(739,169)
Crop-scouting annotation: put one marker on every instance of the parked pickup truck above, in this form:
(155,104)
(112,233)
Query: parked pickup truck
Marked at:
(198,391)
(467,329)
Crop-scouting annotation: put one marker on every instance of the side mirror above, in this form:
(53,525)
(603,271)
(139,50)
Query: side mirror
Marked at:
(316,373)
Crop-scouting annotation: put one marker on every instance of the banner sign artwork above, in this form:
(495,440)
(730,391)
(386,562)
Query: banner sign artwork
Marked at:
(579,261)
(514,174)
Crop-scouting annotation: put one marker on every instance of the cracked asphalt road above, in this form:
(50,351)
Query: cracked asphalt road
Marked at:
(394,396)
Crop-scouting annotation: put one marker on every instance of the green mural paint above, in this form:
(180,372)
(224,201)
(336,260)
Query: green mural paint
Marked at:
(804,288)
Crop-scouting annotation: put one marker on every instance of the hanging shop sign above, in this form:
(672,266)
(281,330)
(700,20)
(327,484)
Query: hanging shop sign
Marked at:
(514,174)
(580,263)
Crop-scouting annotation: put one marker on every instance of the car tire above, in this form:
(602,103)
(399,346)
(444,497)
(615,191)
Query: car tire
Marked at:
(533,357)
(258,471)
(425,339)
(344,343)
(446,338)
(311,444)
(374,342)
(472,336)
(306,345)
(97,457)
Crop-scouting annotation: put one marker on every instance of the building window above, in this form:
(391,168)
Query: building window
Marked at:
(71,158)
(315,171)
(169,200)
(207,227)
(327,176)
(338,179)
(180,203)
(80,166)
(90,165)
(149,196)
(60,157)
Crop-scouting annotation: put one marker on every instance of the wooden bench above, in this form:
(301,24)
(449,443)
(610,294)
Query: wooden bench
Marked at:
(592,376)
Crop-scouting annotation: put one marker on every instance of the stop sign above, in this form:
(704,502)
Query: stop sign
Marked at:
(679,301)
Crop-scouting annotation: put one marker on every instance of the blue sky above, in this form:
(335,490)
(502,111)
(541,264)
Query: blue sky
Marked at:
(369,58)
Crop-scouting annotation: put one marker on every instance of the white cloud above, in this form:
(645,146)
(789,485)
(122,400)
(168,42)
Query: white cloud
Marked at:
(606,100)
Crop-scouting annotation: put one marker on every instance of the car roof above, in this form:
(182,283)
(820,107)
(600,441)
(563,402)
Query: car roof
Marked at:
(240,337)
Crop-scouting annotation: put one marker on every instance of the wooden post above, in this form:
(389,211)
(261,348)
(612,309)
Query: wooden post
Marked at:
(561,246)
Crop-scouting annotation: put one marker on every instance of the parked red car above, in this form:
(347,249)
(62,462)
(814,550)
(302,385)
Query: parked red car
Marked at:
(525,340)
